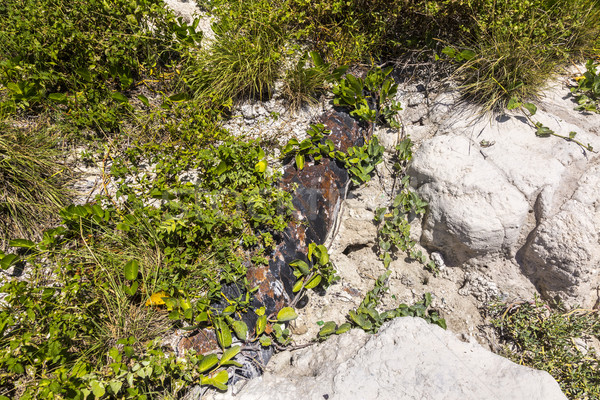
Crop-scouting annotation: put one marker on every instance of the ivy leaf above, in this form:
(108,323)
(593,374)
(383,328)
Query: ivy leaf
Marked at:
(241,329)
(531,108)
(208,362)
(286,314)
(131,270)
(261,324)
(229,354)
(223,333)
(299,161)
(314,282)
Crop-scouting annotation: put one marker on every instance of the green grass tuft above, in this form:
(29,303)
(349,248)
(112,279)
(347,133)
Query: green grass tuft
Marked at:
(33,181)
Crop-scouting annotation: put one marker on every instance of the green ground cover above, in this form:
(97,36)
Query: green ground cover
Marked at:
(131,85)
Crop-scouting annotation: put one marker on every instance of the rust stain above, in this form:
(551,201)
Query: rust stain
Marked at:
(203,342)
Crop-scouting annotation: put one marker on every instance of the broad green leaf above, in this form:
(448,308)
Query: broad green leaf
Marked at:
(261,324)
(299,161)
(543,131)
(530,107)
(8,260)
(178,97)
(221,377)
(327,329)
(241,329)
(208,362)
(286,314)
(513,103)
(131,270)
(221,168)
(211,381)
(22,243)
(223,333)
(115,386)
(58,97)
(119,97)
(360,320)
(261,166)
(265,340)
(229,310)
(323,256)
(144,100)
(316,58)
(13,87)
(466,55)
(313,283)
(338,72)
(343,328)
(427,299)
(298,285)
(449,51)
(229,354)
(301,265)
(185,304)
(130,290)
(97,388)
(84,74)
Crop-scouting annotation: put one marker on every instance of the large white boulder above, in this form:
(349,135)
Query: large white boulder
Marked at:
(473,208)
(495,189)
(563,253)
(407,359)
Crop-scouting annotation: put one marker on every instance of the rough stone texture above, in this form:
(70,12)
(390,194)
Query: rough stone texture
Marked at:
(563,254)
(407,359)
(473,208)
(495,189)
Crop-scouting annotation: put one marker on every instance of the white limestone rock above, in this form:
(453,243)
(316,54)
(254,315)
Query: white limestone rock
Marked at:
(473,208)
(563,254)
(407,359)
(490,181)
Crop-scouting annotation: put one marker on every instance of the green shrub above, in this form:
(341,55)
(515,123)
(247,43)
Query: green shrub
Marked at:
(78,55)
(60,45)
(131,268)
